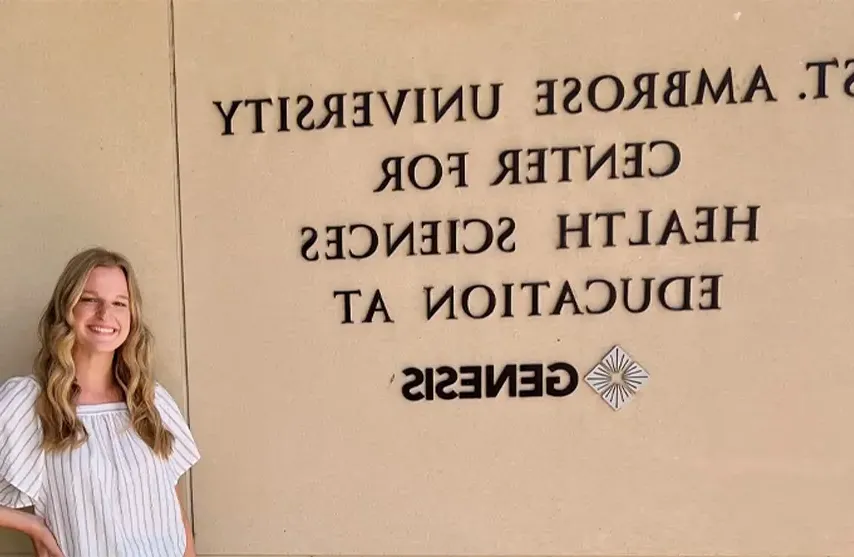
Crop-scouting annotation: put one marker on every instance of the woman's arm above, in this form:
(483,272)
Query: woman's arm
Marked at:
(34,527)
(26,523)
(188,529)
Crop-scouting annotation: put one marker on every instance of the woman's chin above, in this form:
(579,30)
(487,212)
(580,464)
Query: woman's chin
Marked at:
(100,345)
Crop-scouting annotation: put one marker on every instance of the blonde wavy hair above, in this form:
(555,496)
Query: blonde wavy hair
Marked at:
(54,366)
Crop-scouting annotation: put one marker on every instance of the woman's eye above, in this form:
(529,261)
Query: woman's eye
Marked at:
(121,304)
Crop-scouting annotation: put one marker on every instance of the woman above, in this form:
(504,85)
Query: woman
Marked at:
(90,440)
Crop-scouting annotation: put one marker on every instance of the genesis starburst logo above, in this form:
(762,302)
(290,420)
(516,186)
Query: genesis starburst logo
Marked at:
(617,378)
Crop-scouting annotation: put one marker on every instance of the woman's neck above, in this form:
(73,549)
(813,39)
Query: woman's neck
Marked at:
(94,374)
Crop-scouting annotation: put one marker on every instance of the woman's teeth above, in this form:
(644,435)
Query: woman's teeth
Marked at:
(103,330)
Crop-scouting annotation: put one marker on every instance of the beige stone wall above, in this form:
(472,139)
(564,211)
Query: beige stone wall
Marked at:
(311,445)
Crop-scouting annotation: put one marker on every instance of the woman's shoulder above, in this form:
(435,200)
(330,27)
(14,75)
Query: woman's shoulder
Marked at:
(169,409)
(18,391)
(18,404)
(162,397)
(185,453)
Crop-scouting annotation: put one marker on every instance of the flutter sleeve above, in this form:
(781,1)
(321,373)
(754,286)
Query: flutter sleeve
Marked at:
(21,455)
(185,453)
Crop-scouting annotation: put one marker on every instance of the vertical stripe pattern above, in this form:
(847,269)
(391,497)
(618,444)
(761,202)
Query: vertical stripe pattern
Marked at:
(112,497)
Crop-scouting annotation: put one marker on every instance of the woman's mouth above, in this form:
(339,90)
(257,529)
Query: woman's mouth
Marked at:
(102,330)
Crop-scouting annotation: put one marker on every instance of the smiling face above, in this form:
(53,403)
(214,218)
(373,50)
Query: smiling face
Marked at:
(102,316)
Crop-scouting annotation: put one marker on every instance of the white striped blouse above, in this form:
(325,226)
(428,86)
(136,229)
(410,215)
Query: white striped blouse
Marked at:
(112,497)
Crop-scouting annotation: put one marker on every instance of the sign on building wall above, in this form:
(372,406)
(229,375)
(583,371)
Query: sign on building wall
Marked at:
(518,278)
